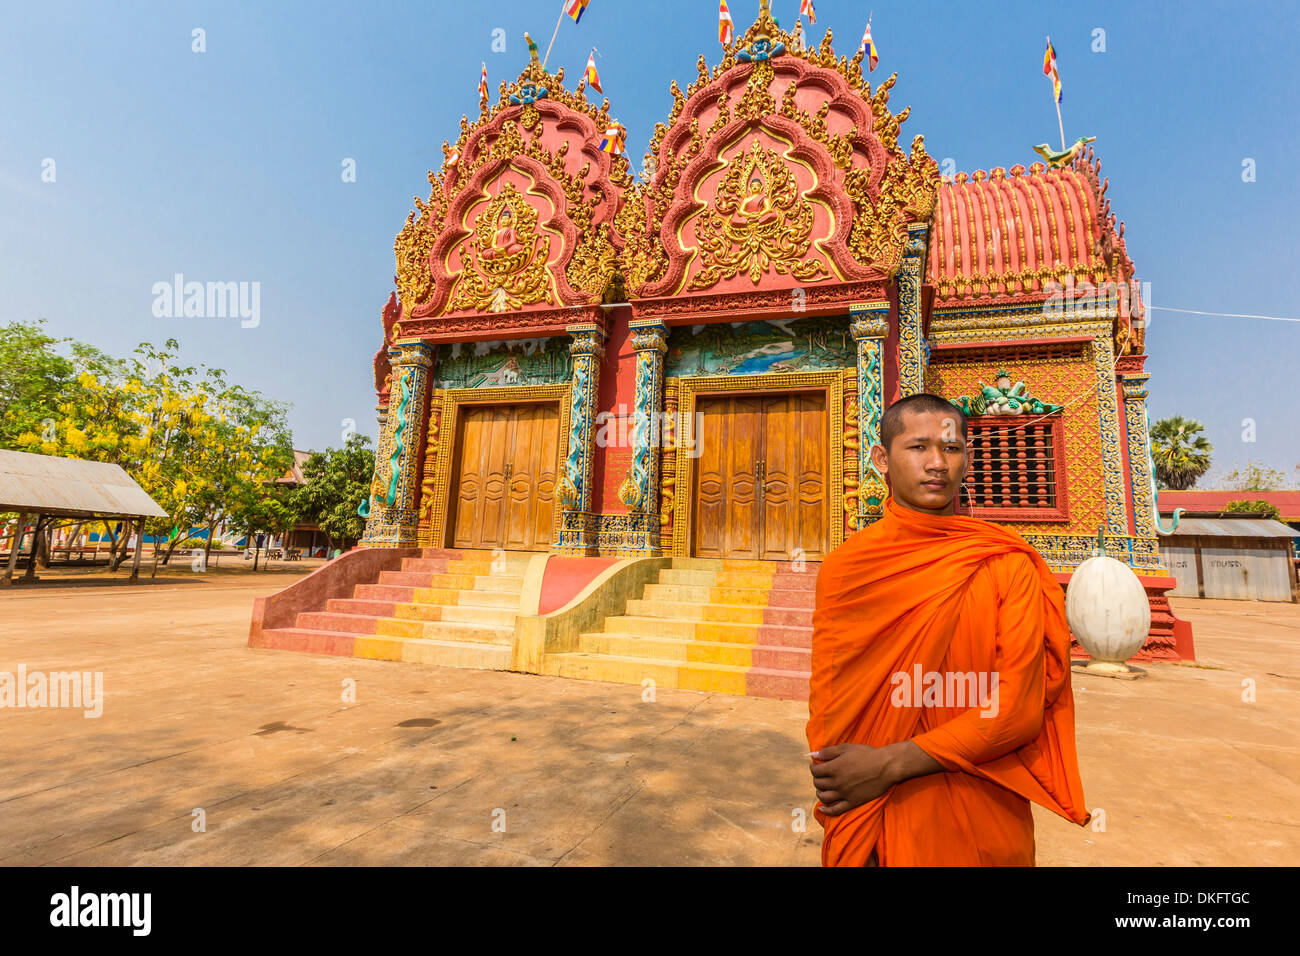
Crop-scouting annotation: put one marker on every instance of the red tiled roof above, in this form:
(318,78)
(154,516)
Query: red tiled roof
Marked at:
(1286,502)
(1004,235)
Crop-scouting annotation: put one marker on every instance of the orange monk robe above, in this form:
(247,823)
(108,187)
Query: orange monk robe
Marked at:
(952,594)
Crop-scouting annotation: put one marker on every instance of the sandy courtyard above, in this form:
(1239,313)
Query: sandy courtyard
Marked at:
(208,752)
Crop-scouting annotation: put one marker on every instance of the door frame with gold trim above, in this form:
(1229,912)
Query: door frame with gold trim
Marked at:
(831,382)
(448,402)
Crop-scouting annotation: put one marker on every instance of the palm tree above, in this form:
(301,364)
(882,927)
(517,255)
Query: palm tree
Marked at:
(1180,451)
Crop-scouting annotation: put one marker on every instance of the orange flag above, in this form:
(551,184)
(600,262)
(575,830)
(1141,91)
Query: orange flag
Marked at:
(916,595)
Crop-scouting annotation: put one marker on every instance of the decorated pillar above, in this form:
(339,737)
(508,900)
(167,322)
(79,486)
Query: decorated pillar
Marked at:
(640,489)
(578,530)
(913,350)
(668,467)
(869,325)
(390,509)
(1112,465)
(1133,384)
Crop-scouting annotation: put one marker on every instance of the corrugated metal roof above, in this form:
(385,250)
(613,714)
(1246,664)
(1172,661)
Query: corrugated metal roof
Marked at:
(70,486)
(1234,528)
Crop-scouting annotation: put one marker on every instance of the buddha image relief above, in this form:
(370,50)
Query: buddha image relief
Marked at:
(504,257)
(759,222)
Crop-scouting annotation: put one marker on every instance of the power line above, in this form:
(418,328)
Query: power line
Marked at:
(1223,315)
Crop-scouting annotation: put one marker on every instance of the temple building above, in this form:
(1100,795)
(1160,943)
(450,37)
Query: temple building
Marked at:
(690,363)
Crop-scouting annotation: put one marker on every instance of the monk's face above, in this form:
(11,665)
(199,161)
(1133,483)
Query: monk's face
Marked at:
(925,462)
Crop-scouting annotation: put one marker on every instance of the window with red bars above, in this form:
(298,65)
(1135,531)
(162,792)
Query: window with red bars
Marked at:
(1017,468)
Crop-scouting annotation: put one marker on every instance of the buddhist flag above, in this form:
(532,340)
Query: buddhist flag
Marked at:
(869,46)
(614,139)
(1049,69)
(593,78)
(453,157)
(482,85)
(806,9)
(576,8)
(724,23)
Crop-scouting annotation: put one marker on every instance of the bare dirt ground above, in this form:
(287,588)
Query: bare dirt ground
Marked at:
(208,752)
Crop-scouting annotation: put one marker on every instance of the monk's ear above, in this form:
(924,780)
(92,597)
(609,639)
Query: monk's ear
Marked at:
(880,459)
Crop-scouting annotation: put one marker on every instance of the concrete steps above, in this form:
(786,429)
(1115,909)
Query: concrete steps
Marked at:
(446,607)
(717,625)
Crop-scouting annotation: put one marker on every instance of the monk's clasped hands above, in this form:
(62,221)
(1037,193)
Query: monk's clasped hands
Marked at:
(849,775)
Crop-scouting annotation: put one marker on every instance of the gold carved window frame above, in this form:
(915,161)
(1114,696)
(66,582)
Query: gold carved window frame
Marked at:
(830,381)
(452,400)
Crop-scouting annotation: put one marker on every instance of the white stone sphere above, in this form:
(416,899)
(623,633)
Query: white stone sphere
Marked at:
(1107,609)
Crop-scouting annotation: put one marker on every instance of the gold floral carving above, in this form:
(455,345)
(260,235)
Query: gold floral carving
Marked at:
(470,152)
(505,258)
(759,221)
(882,210)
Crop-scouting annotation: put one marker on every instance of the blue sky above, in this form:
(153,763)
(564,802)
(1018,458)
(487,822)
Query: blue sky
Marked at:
(226,165)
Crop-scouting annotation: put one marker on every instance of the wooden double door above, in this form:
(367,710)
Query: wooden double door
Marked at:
(504,489)
(762,476)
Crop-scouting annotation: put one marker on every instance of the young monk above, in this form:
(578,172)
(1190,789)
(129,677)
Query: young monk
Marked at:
(912,778)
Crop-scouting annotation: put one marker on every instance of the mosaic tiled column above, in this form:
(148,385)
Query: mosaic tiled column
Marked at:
(391,509)
(578,529)
(913,350)
(1133,384)
(869,324)
(1112,464)
(640,490)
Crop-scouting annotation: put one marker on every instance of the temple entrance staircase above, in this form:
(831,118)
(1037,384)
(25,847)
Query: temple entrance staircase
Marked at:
(709,624)
(456,608)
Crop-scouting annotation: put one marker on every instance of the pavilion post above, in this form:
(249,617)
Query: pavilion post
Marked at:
(139,547)
(13,550)
(30,573)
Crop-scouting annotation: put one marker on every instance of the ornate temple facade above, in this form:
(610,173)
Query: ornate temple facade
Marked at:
(694,361)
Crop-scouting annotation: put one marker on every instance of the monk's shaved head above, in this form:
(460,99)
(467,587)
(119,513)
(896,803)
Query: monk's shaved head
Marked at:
(891,423)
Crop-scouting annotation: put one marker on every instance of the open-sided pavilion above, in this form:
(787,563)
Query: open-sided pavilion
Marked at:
(47,488)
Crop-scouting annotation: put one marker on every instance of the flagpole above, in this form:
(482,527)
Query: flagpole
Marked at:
(558,21)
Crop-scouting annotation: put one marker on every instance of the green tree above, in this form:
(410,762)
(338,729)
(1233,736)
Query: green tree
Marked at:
(337,480)
(1258,506)
(1180,452)
(37,378)
(1254,476)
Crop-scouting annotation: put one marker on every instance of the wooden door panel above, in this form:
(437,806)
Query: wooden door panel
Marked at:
(498,439)
(742,513)
(470,481)
(505,491)
(726,511)
(547,451)
(810,507)
(743,499)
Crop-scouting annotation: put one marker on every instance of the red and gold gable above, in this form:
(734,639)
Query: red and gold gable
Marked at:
(516,231)
(778,169)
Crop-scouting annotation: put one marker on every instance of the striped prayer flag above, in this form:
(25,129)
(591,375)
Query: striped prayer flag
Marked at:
(806,9)
(724,23)
(1049,69)
(614,139)
(482,85)
(869,45)
(576,9)
(593,78)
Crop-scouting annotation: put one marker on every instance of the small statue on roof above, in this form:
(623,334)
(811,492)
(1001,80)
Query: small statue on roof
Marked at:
(1003,398)
(1065,157)
(761,48)
(530,91)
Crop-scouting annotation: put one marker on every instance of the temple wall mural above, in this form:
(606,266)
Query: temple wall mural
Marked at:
(756,348)
(496,364)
